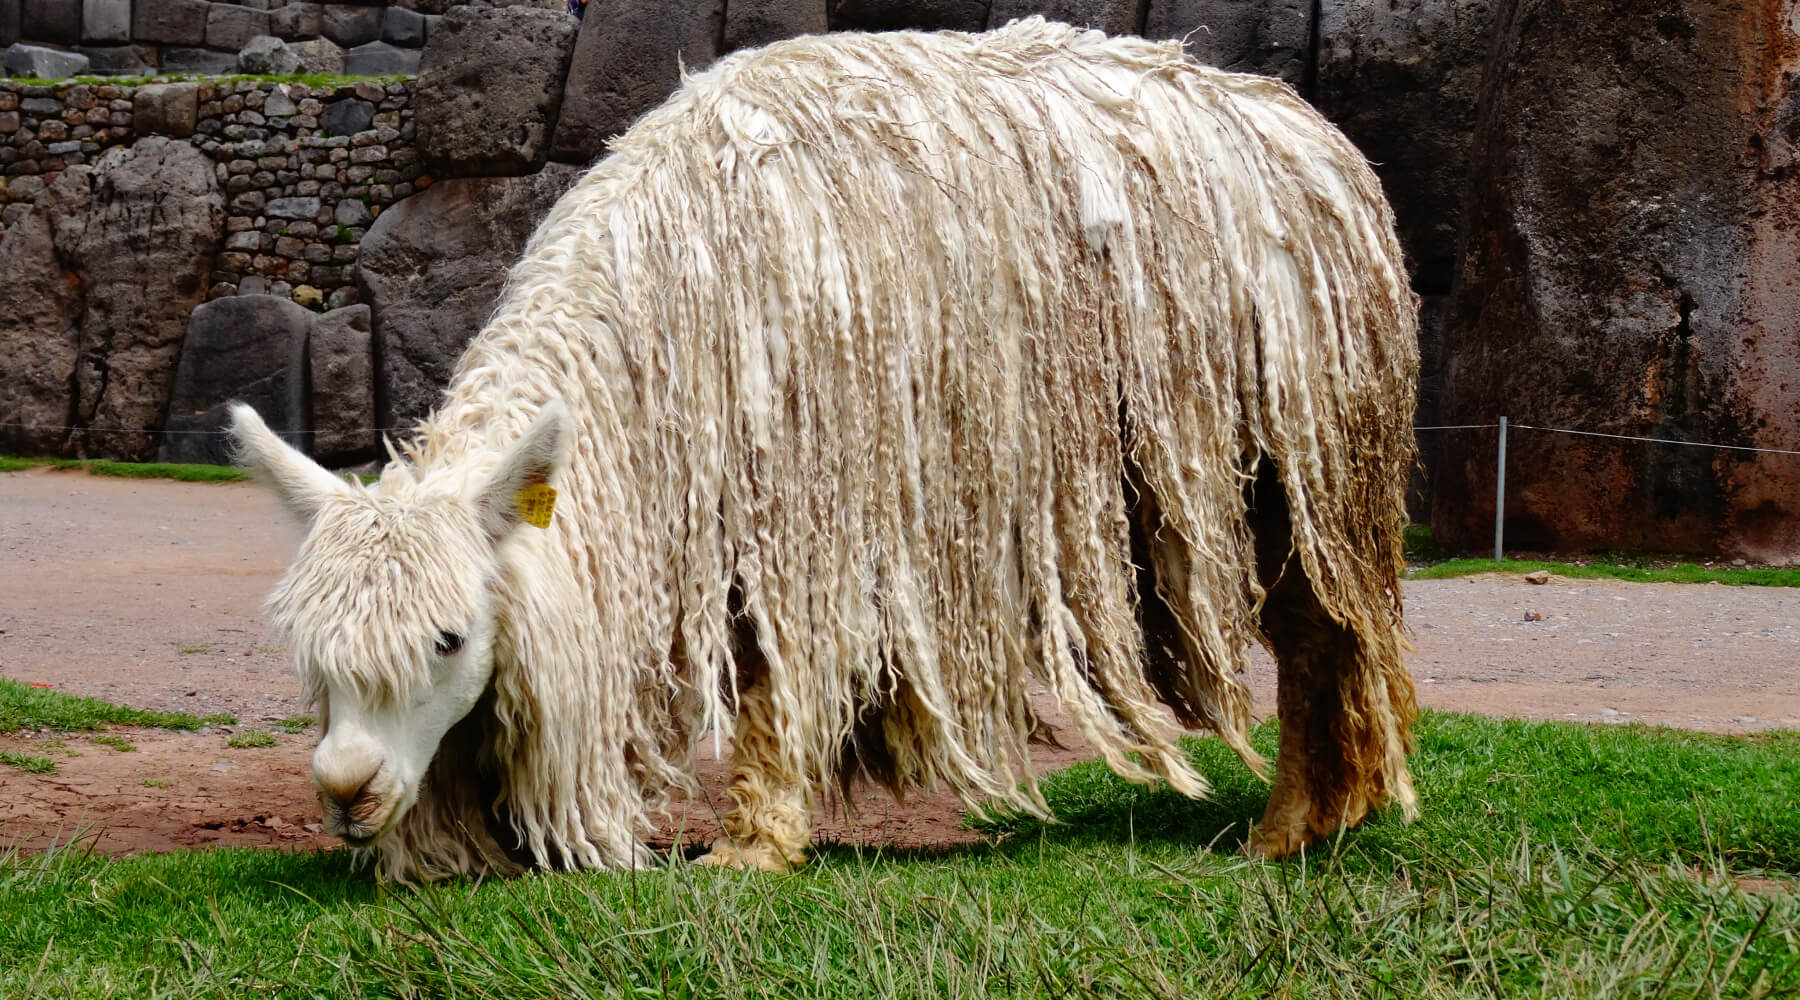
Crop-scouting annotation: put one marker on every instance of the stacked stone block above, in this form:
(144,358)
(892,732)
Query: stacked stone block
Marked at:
(44,130)
(305,172)
(133,37)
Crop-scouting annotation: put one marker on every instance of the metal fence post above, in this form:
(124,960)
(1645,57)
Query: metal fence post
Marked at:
(1500,495)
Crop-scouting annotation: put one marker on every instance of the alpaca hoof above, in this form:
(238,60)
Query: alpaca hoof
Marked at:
(756,856)
(1266,844)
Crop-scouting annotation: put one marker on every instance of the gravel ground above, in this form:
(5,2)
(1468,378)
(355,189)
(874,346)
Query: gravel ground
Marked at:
(146,593)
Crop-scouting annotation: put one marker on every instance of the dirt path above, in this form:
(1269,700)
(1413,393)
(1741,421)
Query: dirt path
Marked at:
(147,593)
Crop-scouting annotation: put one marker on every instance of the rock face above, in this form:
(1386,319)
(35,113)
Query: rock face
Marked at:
(1629,269)
(247,347)
(490,89)
(432,267)
(133,237)
(1271,37)
(1402,78)
(627,63)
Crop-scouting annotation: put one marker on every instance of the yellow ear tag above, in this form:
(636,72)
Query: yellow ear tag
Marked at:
(535,504)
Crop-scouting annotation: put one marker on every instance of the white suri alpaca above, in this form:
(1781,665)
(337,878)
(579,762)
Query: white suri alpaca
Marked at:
(880,375)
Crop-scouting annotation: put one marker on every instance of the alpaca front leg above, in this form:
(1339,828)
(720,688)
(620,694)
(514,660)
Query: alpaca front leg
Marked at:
(770,822)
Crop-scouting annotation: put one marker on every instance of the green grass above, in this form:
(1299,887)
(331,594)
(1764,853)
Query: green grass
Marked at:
(1681,573)
(23,706)
(154,783)
(1551,861)
(28,763)
(131,470)
(295,724)
(251,739)
(118,743)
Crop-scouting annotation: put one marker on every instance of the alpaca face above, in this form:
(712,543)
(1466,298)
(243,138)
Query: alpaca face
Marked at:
(389,612)
(389,608)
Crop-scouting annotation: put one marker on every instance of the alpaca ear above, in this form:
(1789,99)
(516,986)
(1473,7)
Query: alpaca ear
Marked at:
(301,484)
(518,491)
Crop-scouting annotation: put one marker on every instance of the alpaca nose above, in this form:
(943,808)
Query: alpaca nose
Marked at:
(346,797)
(345,783)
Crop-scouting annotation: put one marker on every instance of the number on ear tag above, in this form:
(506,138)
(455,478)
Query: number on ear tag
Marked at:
(535,504)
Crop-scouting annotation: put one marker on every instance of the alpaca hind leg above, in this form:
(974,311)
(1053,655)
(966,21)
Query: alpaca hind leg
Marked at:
(1314,792)
(770,822)
(1336,761)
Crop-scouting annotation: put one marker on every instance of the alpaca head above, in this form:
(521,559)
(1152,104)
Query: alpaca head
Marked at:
(389,607)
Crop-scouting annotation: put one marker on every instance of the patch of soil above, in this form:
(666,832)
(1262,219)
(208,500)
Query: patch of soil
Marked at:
(147,593)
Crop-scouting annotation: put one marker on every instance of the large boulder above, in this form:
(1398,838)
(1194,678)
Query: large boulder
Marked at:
(343,387)
(1271,37)
(243,347)
(1629,269)
(170,22)
(627,63)
(1115,17)
(55,21)
(231,27)
(489,89)
(431,269)
(133,237)
(894,15)
(749,23)
(380,59)
(35,60)
(350,26)
(171,109)
(267,55)
(106,21)
(297,21)
(40,310)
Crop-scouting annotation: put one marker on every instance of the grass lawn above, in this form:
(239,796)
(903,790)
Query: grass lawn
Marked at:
(1552,860)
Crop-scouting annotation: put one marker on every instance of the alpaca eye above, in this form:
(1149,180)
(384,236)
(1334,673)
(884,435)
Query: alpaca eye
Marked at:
(448,643)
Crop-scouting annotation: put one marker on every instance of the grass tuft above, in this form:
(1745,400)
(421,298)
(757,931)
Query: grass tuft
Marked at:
(28,763)
(293,725)
(118,743)
(251,738)
(23,706)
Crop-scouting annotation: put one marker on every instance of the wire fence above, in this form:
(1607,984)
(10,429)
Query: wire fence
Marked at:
(1503,425)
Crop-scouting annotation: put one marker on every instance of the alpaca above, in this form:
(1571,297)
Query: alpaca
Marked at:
(876,377)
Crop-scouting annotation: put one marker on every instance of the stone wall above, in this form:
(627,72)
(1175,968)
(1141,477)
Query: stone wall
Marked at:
(305,172)
(58,38)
